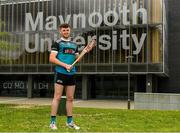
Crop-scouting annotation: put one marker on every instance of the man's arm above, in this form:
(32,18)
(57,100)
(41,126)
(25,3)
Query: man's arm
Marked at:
(53,59)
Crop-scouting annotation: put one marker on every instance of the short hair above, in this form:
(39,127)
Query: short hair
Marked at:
(64,25)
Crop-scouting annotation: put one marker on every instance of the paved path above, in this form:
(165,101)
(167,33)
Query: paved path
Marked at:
(116,104)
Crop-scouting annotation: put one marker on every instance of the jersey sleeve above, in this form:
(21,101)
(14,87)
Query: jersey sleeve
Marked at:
(55,47)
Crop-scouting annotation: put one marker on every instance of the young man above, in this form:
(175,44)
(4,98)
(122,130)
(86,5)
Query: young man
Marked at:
(63,53)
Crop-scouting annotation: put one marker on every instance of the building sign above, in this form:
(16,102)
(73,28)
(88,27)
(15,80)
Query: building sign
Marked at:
(94,20)
(14,84)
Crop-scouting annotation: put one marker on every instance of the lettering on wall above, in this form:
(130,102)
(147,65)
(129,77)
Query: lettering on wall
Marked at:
(106,41)
(17,84)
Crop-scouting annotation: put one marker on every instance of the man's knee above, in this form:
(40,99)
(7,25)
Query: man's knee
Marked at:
(57,97)
(70,98)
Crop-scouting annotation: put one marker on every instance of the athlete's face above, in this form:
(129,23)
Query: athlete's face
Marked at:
(65,32)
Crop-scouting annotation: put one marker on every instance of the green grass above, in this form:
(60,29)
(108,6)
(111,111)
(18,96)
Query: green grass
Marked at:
(19,118)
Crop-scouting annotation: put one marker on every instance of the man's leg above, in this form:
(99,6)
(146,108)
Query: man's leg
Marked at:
(69,96)
(69,106)
(58,89)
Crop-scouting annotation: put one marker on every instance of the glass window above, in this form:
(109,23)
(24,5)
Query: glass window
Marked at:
(122,28)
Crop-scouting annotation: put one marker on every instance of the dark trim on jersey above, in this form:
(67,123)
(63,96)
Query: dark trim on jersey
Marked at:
(55,45)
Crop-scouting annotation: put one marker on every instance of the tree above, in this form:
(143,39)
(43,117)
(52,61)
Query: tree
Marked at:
(7,47)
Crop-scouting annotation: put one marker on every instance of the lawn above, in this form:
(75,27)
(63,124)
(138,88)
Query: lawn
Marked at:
(29,118)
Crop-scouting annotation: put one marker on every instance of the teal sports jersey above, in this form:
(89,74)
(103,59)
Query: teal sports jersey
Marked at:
(66,52)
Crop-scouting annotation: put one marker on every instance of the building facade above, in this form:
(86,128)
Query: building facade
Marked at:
(125,29)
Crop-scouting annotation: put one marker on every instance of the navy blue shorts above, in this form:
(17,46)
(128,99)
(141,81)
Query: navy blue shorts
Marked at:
(64,79)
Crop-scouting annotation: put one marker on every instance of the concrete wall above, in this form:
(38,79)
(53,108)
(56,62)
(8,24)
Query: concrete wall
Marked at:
(157,101)
(171,84)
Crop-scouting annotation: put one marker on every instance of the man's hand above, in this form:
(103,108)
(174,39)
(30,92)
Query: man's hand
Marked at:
(68,67)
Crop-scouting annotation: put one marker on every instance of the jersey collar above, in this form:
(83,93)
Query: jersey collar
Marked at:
(65,39)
